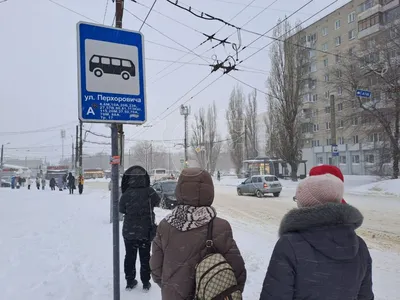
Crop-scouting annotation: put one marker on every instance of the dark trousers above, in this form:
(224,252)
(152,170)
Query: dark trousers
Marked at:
(131,250)
(53,188)
(38,186)
(71,190)
(80,187)
(29,186)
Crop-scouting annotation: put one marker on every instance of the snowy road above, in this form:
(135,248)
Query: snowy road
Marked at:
(54,246)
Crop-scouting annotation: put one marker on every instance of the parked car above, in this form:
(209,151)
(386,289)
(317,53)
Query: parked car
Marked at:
(260,185)
(5,183)
(166,190)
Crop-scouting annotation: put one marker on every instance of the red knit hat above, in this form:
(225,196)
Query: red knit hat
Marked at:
(327,169)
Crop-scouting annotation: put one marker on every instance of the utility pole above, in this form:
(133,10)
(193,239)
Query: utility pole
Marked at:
(117,134)
(1,157)
(80,147)
(151,155)
(62,142)
(333,128)
(185,112)
(72,156)
(76,150)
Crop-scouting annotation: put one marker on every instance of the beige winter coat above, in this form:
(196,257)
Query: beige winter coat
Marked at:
(177,251)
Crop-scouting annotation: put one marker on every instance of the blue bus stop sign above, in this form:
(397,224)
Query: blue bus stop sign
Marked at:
(111,75)
(363,94)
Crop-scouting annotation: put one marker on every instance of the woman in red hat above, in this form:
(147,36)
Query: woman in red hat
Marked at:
(328,169)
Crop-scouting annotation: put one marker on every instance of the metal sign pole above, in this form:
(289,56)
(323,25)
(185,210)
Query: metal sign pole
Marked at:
(115,210)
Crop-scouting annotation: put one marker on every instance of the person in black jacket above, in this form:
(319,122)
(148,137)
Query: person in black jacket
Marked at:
(137,204)
(71,183)
(319,255)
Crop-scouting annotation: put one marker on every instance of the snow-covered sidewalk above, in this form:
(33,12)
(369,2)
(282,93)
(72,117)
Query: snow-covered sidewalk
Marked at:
(57,246)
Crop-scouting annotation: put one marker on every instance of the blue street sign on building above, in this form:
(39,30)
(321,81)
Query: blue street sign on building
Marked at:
(111,75)
(363,94)
(335,150)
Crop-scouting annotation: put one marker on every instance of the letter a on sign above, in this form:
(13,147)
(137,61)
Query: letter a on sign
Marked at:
(90,111)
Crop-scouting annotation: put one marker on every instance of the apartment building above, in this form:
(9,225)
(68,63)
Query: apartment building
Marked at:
(337,33)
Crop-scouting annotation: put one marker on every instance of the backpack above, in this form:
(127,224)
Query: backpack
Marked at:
(215,278)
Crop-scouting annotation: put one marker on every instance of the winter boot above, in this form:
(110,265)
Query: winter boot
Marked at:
(131,284)
(146,286)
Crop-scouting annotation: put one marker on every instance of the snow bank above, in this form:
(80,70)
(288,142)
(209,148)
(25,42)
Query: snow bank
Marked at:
(381,188)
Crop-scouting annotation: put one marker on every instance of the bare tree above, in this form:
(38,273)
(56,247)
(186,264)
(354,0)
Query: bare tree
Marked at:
(204,140)
(251,128)
(235,117)
(149,155)
(375,67)
(286,83)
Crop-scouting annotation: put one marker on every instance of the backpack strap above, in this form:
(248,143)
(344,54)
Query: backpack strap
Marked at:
(209,241)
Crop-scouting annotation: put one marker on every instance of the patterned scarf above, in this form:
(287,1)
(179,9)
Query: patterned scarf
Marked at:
(186,217)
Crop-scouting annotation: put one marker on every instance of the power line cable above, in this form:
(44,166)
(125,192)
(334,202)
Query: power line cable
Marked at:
(148,14)
(73,11)
(35,130)
(174,70)
(105,12)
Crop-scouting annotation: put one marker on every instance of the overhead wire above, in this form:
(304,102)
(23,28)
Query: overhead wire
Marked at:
(202,54)
(148,14)
(35,130)
(73,11)
(105,12)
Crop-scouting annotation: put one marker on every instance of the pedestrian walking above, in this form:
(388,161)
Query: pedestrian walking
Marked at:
(137,204)
(81,181)
(29,182)
(38,182)
(319,255)
(43,183)
(184,240)
(52,184)
(60,183)
(71,183)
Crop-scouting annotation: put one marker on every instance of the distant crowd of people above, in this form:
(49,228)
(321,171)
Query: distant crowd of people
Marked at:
(194,254)
(62,183)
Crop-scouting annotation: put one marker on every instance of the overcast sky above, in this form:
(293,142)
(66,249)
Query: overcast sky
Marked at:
(38,69)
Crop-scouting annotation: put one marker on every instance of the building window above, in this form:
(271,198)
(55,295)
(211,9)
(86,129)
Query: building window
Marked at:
(307,97)
(314,113)
(314,98)
(370,21)
(328,110)
(328,142)
(326,77)
(375,137)
(315,127)
(370,158)
(352,34)
(340,107)
(342,160)
(337,24)
(339,74)
(339,90)
(325,31)
(312,53)
(338,40)
(337,58)
(328,125)
(365,5)
(315,143)
(341,140)
(341,124)
(354,121)
(325,62)
(324,47)
(320,160)
(312,37)
(355,139)
(355,159)
(351,17)
(312,67)
(327,94)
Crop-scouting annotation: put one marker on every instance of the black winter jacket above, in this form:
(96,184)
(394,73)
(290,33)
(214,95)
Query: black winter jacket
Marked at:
(137,204)
(320,257)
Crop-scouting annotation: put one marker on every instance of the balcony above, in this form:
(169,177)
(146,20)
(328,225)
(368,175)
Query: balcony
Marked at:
(370,30)
(390,5)
(377,7)
(308,136)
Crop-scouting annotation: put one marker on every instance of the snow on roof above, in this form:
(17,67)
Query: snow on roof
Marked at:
(14,167)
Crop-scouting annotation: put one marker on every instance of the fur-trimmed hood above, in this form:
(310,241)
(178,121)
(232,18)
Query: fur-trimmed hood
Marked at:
(328,228)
